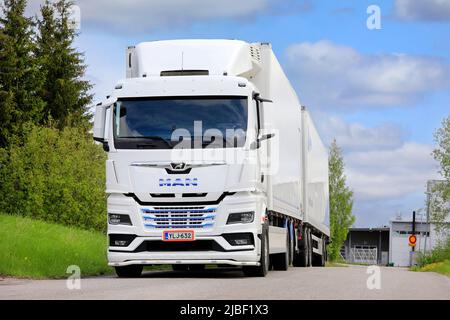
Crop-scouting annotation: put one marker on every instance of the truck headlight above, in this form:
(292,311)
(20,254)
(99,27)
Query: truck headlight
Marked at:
(116,219)
(241,217)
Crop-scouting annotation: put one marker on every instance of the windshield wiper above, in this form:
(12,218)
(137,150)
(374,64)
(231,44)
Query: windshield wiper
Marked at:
(152,145)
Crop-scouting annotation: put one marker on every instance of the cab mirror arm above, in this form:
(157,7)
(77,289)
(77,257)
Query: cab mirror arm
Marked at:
(257,144)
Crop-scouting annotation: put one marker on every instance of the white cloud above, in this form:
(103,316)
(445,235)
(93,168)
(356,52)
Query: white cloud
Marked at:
(424,10)
(388,174)
(384,171)
(334,76)
(355,136)
(153,15)
(378,212)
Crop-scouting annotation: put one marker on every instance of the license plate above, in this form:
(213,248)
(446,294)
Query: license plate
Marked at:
(178,235)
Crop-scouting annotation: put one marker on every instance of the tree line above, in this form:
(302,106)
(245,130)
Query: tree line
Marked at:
(41,73)
(50,168)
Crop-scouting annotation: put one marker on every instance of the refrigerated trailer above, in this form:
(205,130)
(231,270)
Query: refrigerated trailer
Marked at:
(212,160)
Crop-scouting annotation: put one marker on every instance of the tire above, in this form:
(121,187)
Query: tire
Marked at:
(301,258)
(133,271)
(180,267)
(281,260)
(263,268)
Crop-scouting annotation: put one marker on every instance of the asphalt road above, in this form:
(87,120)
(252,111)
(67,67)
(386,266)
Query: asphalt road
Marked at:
(297,283)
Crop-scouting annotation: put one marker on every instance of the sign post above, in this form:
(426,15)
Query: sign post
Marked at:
(412,239)
(413,234)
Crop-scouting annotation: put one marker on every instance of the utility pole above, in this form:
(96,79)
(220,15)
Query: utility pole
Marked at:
(414,228)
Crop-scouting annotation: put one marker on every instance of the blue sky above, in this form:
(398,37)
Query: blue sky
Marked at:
(381,93)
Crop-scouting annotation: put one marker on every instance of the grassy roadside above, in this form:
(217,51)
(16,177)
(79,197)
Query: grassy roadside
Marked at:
(335,264)
(438,260)
(439,267)
(37,249)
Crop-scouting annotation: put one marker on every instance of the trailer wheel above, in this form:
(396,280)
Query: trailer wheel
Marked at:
(281,260)
(133,271)
(301,257)
(263,268)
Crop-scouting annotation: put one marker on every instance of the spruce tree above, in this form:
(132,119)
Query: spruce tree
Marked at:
(66,93)
(20,77)
(341,202)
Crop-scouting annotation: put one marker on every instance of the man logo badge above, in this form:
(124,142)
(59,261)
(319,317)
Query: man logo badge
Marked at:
(179,182)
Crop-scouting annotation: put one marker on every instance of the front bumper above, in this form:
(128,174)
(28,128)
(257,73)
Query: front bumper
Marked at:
(184,261)
(244,255)
(233,258)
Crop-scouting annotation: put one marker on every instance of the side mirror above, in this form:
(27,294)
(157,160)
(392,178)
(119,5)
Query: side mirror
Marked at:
(99,123)
(257,144)
(102,115)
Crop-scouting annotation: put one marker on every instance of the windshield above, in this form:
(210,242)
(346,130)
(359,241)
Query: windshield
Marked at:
(180,122)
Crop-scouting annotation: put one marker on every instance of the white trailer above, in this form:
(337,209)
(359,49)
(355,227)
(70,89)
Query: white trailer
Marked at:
(211,160)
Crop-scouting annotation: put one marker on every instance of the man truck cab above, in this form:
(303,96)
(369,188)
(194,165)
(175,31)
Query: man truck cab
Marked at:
(211,160)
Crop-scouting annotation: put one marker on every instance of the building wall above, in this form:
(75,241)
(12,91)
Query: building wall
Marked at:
(376,238)
(400,251)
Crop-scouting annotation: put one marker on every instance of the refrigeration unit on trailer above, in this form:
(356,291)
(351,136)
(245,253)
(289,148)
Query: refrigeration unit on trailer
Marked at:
(211,160)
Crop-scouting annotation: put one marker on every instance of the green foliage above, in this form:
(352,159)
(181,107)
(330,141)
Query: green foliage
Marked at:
(439,267)
(64,90)
(438,208)
(442,153)
(20,77)
(439,254)
(46,173)
(41,73)
(341,202)
(438,199)
(55,175)
(37,249)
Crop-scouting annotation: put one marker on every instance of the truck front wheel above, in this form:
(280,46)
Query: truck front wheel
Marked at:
(133,271)
(263,268)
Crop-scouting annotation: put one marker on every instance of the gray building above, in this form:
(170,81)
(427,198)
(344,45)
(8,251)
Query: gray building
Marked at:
(367,245)
(427,238)
(390,245)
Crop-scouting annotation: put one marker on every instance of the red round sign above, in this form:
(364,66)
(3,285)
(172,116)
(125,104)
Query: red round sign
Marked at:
(412,240)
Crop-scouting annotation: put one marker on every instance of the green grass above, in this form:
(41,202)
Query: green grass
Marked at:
(438,260)
(36,249)
(439,267)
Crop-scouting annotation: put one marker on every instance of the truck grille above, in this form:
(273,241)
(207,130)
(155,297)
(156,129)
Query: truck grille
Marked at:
(192,217)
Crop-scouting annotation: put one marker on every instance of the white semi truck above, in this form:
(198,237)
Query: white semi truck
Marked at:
(211,160)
